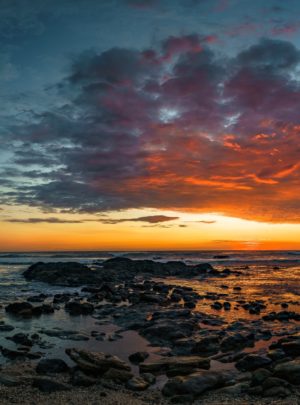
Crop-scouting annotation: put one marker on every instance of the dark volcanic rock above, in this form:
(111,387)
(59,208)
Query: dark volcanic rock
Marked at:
(78,308)
(289,371)
(96,362)
(67,274)
(252,362)
(138,357)
(46,366)
(194,384)
(21,339)
(19,308)
(48,385)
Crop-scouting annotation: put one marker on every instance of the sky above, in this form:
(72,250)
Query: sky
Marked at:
(149,124)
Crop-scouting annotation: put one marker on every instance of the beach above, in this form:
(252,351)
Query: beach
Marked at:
(150,327)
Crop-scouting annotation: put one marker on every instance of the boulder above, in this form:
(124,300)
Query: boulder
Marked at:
(194,384)
(176,362)
(61,273)
(137,384)
(138,357)
(96,363)
(251,362)
(48,366)
(79,308)
(48,385)
(289,371)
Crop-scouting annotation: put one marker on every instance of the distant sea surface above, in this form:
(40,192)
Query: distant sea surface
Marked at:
(259,263)
(271,277)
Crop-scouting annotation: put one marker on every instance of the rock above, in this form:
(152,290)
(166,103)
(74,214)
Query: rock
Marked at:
(64,334)
(182,399)
(276,354)
(48,385)
(21,339)
(149,377)
(6,328)
(277,392)
(164,331)
(176,362)
(137,384)
(252,362)
(194,384)
(61,273)
(96,362)
(237,341)
(19,354)
(289,371)
(78,308)
(19,308)
(207,346)
(79,379)
(217,305)
(275,387)
(9,381)
(47,366)
(260,375)
(138,357)
(117,375)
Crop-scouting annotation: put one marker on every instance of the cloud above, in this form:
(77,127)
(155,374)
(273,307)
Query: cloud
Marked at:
(151,219)
(207,222)
(51,220)
(173,127)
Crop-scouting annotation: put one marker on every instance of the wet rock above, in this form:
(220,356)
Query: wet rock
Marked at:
(289,371)
(163,331)
(47,366)
(37,298)
(260,375)
(61,273)
(207,346)
(79,379)
(10,381)
(276,387)
(19,354)
(175,363)
(252,362)
(237,341)
(117,375)
(48,385)
(96,362)
(182,399)
(78,308)
(138,357)
(194,384)
(19,308)
(217,305)
(282,316)
(276,354)
(64,334)
(21,339)
(137,384)
(6,328)
(149,377)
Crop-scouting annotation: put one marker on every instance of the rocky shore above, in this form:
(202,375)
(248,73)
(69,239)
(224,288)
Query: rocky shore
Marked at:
(202,357)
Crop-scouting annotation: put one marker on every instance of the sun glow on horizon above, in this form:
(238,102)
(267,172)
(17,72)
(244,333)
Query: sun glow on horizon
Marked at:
(141,230)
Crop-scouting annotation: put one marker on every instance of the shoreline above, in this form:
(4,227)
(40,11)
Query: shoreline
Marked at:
(177,345)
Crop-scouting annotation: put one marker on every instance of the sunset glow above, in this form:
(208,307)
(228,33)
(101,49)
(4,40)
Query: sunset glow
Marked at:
(128,139)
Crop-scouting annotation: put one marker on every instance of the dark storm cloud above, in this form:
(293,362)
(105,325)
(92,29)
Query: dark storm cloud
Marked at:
(171,127)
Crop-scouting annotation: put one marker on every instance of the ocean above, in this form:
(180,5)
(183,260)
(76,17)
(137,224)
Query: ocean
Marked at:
(261,269)
(271,277)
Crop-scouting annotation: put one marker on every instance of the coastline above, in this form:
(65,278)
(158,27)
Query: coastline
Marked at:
(192,321)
